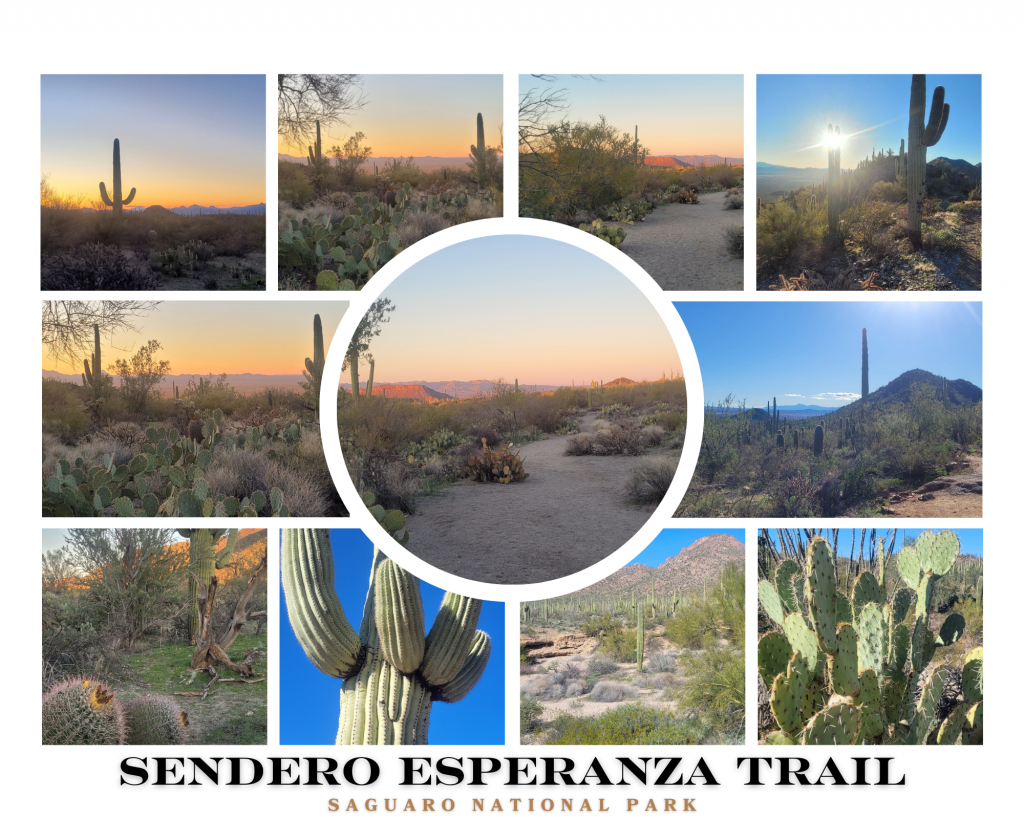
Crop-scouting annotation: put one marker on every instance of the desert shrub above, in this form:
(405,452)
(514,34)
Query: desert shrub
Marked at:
(946,239)
(64,416)
(664,680)
(650,479)
(956,207)
(734,199)
(293,185)
(719,613)
(574,688)
(599,666)
(733,236)
(612,691)
(567,426)
(391,479)
(529,714)
(620,645)
(572,668)
(580,445)
(418,225)
(781,229)
(631,724)
(894,191)
(715,685)
(625,438)
(96,267)
(542,687)
(661,661)
(239,474)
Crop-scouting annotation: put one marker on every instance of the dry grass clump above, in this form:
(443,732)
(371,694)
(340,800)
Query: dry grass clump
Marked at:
(239,474)
(579,445)
(612,691)
(650,479)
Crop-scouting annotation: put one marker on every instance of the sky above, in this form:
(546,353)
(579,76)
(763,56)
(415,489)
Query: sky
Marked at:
(676,113)
(521,307)
(419,115)
(671,542)
(872,111)
(259,337)
(185,139)
(970,539)
(809,352)
(309,698)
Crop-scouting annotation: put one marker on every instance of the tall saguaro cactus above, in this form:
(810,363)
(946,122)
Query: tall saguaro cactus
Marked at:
(639,638)
(834,179)
(393,672)
(919,139)
(864,363)
(93,377)
(479,151)
(315,367)
(117,203)
(203,561)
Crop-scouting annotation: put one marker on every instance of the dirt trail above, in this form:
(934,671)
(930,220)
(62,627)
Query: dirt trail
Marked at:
(954,496)
(569,514)
(682,247)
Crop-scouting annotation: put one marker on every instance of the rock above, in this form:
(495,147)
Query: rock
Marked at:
(937,485)
(927,496)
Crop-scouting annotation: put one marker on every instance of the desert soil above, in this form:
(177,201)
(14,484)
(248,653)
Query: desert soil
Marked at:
(567,515)
(953,496)
(682,247)
(247,266)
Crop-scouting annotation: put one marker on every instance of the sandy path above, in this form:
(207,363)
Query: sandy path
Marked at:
(956,496)
(570,513)
(682,247)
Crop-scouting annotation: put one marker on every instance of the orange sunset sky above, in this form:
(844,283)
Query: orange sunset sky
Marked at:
(224,337)
(419,115)
(185,139)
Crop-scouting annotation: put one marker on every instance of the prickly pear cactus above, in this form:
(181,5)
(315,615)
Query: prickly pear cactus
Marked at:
(391,655)
(156,720)
(82,711)
(848,670)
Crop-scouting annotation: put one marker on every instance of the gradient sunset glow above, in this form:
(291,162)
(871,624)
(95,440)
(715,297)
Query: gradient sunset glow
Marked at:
(201,337)
(675,113)
(419,115)
(520,307)
(185,139)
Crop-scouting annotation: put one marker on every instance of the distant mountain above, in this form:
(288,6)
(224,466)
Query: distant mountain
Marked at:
(243,382)
(443,390)
(767,166)
(696,160)
(665,162)
(620,382)
(409,392)
(195,210)
(961,165)
(687,571)
(424,163)
(900,390)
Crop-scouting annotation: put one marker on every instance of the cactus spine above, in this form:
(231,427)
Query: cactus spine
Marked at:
(834,179)
(919,139)
(117,203)
(864,363)
(393,672)
(93,377)
(315,367)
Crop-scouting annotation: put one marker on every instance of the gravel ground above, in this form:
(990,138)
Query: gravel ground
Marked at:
(682,247)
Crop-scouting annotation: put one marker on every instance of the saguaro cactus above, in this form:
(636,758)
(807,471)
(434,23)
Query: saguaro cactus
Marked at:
(479,151)
(315,366)
(864,363)
(639,639)
(919,139)
(117,203)
(834,178)
(393,673)
(93,377)
(819,439)
(203,561)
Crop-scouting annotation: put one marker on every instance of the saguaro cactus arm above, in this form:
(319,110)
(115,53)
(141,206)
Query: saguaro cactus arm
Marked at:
(937,118)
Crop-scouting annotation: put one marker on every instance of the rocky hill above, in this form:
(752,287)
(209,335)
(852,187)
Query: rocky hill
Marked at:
(687,571)
(902,389)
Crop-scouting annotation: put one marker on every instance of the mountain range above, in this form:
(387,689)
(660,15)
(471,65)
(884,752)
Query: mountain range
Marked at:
(196,210)
(243,382)
(698,564)
(696,160)
(424,163)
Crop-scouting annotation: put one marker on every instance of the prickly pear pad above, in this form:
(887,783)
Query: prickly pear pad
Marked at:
(802,640)
(909,566)
(974,677)
(871,639)
(865,591)
(787,694)
(784,574)
(937,552)
(838,725)
(770,601)
(821,580)
(773,653)
(845,678)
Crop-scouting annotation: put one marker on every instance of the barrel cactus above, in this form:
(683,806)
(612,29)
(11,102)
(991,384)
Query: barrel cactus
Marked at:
(857,669)
(156,720)
(83,711)
(410,670)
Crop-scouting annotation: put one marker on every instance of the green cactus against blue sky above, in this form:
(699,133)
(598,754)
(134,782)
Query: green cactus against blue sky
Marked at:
(116,202)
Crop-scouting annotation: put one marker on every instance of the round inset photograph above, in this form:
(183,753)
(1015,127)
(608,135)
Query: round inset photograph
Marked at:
(512,409)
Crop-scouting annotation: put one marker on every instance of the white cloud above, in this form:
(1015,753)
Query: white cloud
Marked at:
(792,395)
(836,396)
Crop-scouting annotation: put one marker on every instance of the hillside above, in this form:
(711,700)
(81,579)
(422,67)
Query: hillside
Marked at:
(687,571)
(901,389)
(620,382)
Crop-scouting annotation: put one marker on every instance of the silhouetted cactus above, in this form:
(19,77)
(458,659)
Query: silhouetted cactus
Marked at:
(117,203)
(919,139)
(315,366)
(479,151)
(93,378)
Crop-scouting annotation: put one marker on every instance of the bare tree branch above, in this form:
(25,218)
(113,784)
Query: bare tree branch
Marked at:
(67,325)
(305,99)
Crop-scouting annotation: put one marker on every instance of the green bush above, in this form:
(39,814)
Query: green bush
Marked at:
(631,724)
(293,185)
(529,713)
(64,416)
(781,229)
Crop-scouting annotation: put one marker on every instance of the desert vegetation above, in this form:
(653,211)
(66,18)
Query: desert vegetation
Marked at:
(895,221)
(131,618)
(392,650)
(341,216)
(644,663)
(884,648)
(126,443)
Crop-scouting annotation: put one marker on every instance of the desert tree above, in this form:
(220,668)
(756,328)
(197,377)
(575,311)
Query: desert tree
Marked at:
(369,327)
(68,325)
(141,374)
(303,100)
(58,570)
(349,158)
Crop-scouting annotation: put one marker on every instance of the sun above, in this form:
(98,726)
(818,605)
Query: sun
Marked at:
(832,138)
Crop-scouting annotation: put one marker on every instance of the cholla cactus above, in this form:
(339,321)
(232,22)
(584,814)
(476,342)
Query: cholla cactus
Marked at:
(156,720)
(393,672)
(82,711)
(855,670)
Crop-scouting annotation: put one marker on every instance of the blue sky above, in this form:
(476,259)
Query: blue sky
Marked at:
(310,699)
(809,352)
(794,112)
(671,542)
(523,307)
(970,539)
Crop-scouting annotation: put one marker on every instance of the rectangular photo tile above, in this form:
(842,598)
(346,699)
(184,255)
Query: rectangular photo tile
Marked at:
(869,182)
(153,182)
(154,636)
